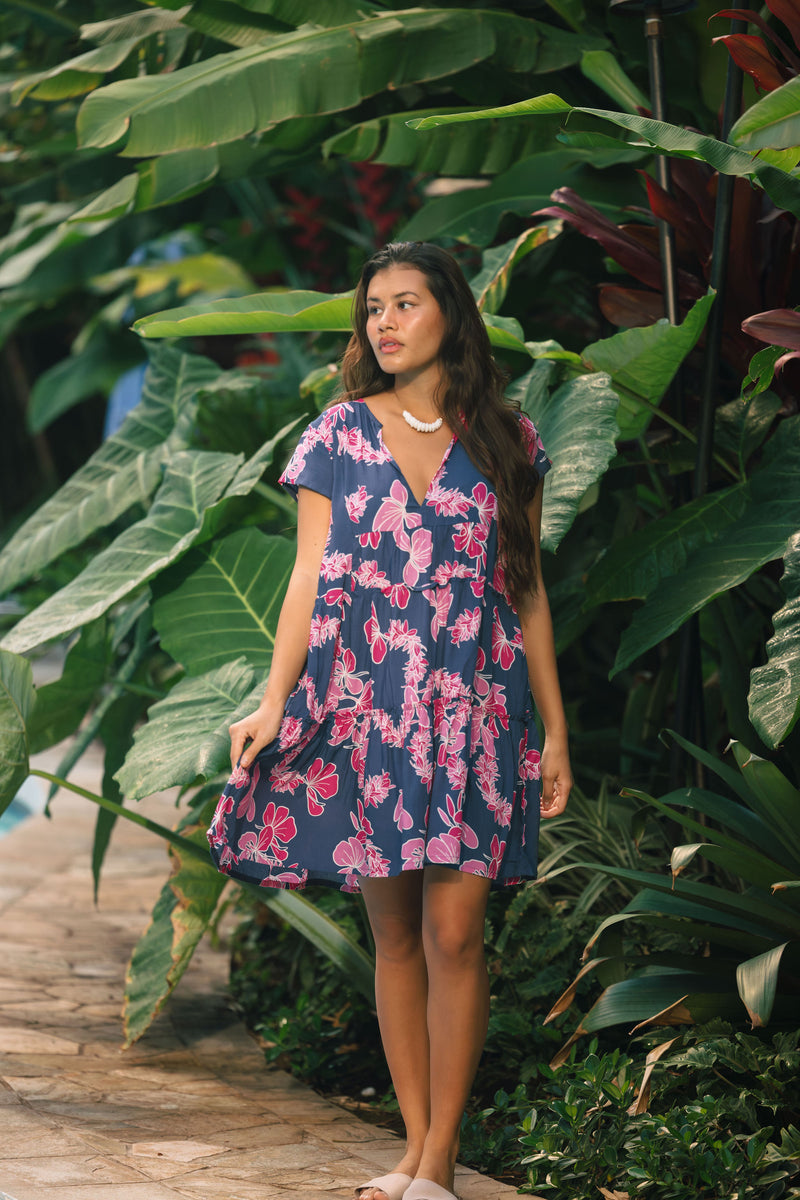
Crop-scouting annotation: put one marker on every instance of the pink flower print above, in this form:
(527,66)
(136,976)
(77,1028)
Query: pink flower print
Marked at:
(373,540)
(419,556)
(444,849)
(403,820)
(227,860)
(290,731)
(530,766)
(282,779)
(356,503)
(247,804)
(345,674)
(469,537)
(335,565)
(361,823)
(323,629)
(349,856)
(501,808)
(376,789)
(473,866)
(498,849)
(353,443)
(454,570)
(486,504)
(239,775)
(279,828)
(377,865)
(454,817)
(393,518)
(335,596)
(398,595)
(448,502)
(503,647)
(321,782)
(466,626)
(377,643)
(369,575)
(440,599)
(216,833)
(413,854)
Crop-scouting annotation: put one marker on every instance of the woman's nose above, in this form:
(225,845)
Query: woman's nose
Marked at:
(387,319)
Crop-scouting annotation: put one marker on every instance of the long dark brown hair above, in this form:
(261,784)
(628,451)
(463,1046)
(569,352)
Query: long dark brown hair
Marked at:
(470,396)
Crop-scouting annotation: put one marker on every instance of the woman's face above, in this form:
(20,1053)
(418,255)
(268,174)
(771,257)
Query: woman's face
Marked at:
(405,325)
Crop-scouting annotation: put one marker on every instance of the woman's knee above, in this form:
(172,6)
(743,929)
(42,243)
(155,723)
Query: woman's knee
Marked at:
(398,937)
(454,942)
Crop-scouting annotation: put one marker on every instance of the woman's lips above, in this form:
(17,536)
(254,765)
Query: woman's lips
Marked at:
(388,346)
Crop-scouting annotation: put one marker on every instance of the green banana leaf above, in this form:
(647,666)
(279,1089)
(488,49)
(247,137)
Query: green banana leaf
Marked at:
(61,706)
(634,566)
(773,121)
(758,536)
(261,313)
(306,71)
(490,285)
(780,185)
(474,215)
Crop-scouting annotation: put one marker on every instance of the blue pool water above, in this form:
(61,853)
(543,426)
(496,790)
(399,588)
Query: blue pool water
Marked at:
(30,799)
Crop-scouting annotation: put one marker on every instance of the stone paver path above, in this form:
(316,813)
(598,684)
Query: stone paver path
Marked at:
(191,1110)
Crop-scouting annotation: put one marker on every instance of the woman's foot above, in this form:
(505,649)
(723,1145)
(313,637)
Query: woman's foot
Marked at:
(386,1187)
(438,1166)
(407,1167)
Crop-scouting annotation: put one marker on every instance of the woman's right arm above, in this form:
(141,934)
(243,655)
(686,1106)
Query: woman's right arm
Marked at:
(252,733)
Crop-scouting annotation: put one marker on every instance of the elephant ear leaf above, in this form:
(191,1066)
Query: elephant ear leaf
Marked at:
(181,915)
(17,698)
(775,687)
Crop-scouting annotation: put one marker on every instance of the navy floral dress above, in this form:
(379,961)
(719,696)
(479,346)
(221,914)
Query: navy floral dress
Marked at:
(410,737)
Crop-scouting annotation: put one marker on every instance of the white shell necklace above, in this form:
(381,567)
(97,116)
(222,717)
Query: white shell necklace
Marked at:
(421,426)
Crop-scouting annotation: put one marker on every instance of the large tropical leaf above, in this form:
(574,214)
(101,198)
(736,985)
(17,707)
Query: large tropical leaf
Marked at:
(490,285)
(123,472)
(286,312)
(194,480)
(308,71)
(221,601)
(773,797)
(774,698)
(783,187)
(773,121)
(757,981)
(460,150)
(61,705)
(17,698)
(186,736)
(180,918)
(474,215)
(643,362)
(78,75)
(264,312)
(578,427)
(95,369)
(634,566)
(758,536)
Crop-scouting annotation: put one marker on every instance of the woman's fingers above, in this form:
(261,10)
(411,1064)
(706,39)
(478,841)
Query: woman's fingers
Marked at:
(250,735)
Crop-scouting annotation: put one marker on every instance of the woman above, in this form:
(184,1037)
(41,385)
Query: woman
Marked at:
(404,762)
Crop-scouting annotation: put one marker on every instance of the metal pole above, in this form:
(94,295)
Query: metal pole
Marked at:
(718,280)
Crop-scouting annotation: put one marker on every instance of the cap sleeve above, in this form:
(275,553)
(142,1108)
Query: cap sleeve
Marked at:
(311,465)
(533,444)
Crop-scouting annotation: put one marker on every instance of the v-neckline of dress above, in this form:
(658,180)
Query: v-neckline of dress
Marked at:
(419,503)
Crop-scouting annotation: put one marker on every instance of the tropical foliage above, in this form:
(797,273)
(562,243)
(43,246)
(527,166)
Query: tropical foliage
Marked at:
(731,902)
(267,178)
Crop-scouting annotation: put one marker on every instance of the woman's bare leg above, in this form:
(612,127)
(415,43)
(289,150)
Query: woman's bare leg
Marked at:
(454,909)
(394,907)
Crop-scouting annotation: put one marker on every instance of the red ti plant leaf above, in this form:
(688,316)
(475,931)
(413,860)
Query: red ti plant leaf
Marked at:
(679,211)
(787,11)
(754,18)
(630,308)
(622,246)
(778,326)
(750,53)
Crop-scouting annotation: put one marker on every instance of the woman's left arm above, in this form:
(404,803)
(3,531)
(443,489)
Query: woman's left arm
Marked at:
(540,651)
